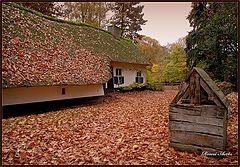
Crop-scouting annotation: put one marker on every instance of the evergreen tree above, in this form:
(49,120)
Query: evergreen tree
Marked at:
(212,44)
(128,17)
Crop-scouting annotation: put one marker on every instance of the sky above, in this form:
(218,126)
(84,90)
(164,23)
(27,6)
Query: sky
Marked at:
(166,21)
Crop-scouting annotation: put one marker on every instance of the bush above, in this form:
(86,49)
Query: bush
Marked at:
(132,87)
(140,87)
(154,87)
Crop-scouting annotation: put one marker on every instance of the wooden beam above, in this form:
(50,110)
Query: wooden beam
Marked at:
(186,111)
(197,139)
(195,89)
(207,111)
(195,119)
(211,95)
(180,93)
(225,130)
(195,127)
(191,148)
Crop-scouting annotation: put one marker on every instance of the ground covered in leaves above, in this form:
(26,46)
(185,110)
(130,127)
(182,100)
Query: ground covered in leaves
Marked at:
(127,128)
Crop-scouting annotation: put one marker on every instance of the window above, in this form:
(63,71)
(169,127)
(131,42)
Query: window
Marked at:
(139,78)
(121,80)
(139,74)
(118,72)
(118,79)
(63,91)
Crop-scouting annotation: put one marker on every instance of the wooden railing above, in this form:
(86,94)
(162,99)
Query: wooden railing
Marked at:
(172,85)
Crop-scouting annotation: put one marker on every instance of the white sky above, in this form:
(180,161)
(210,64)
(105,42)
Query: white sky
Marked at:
(166,21)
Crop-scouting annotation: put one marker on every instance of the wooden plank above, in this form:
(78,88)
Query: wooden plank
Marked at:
(186,94)
(192,88)
(211,94)
(219,94)
(191,148)
(195,89)
(186,101)
(195,127)
(187,106)
(208,111)
(212,111)
(204,98)
(197,139)
(225,130)
(184,111)
(180,93)
(195,119)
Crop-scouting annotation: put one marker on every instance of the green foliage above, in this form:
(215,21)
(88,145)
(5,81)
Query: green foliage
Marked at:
(167,65)
(132,87)
(154,87)
(151,49)
(153,73)
(212,44)
(149,75)
(128,17)
(174,65)
(126,41)
(140,87)
(155,53)
(93,13)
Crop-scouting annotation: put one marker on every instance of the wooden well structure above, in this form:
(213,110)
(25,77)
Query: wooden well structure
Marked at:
(198,115)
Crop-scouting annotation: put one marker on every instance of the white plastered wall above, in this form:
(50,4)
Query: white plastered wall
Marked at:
(129,75)
(23,95)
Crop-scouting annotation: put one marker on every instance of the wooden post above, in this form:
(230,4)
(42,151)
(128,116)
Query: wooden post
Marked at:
(195,89)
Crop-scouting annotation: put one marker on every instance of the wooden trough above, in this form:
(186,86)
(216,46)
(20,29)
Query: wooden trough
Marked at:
(198,115)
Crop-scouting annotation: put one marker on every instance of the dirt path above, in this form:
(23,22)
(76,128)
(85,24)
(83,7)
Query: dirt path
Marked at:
(127,128)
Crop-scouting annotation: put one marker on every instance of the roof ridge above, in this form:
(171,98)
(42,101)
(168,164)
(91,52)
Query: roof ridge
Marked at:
(208,81)
(37,13)
(213,86)
(99,42)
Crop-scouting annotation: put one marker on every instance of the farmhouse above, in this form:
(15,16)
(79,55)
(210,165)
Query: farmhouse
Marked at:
(126,70)
(45,58)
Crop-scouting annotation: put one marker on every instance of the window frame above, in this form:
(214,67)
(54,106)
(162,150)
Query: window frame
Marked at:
(118,78)
(118,72)
(139,72)
(139,77)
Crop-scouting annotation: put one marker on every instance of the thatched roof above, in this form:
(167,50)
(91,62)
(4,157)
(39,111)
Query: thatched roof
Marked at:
(39,50)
